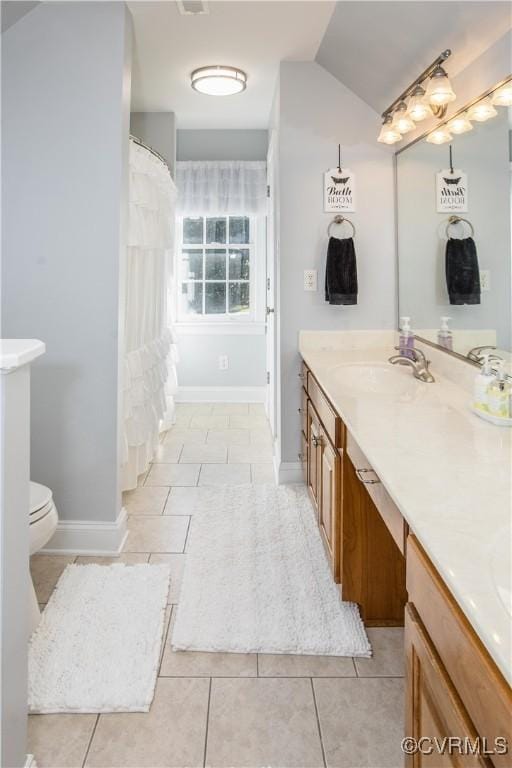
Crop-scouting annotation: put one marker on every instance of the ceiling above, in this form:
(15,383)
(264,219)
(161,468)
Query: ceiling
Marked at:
(13,10)
(377,48)
(252,35)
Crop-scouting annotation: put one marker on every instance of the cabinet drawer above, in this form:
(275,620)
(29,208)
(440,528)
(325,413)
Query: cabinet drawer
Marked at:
(388,510)
(303,410)
(303,374)
(331,422)
(479,683)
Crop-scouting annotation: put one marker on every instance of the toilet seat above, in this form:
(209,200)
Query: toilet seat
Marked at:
(41,502)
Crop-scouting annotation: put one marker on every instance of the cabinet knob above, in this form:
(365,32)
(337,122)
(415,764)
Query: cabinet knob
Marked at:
(299,410)
(301,376)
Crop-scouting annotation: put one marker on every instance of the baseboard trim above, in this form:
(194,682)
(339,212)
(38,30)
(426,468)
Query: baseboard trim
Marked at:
(89,537)
(288,472)
(221,395)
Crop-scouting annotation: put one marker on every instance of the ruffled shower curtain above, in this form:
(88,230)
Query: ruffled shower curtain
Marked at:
(150,351)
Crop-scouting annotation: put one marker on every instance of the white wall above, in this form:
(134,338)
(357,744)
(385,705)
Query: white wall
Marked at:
(230,144)
(199,353)
(315,113)
(65,113)
(157,130)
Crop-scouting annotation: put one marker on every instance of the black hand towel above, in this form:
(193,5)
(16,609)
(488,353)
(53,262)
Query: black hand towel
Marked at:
(462,272)
(341,272)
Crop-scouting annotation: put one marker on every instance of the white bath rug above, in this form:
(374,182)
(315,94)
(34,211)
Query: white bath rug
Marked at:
(97,646)
(257,580)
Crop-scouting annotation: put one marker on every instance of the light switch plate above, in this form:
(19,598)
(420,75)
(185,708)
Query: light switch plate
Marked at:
(485,279)
(310,281)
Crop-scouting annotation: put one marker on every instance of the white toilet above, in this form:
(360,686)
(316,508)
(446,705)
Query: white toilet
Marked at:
(43,521)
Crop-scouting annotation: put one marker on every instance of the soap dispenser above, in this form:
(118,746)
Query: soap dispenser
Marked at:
(444,335)
(498,395)
(483,381)
(406,338)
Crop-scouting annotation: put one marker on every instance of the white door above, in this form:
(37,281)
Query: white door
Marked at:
(270,305)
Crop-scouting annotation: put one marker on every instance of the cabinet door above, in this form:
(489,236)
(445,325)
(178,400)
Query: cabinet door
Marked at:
(330,504)
(434,711)
(304,457)
(314,468)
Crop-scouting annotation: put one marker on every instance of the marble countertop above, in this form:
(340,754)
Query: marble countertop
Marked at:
(448,472)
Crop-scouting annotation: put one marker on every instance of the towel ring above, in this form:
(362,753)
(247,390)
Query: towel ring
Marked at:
(340,220)
(455,220)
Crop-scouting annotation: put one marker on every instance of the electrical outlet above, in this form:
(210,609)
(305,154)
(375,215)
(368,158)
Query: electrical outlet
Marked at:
(223,363)
(485,279)
(310,279)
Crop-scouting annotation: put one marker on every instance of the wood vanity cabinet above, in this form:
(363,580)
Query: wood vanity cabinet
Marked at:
(453,687)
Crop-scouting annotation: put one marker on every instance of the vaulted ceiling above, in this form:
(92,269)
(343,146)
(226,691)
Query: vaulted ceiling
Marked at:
(377,48)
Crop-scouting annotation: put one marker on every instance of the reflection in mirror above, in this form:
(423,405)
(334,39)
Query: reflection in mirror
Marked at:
(454,232)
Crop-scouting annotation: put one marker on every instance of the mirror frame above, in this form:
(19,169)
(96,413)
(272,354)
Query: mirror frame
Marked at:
(422,137)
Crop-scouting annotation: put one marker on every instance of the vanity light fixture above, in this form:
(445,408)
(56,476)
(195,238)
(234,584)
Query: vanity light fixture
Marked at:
(460,124)
(502,97)
(389,133)
(439,89)
(401,120)
(218,80)
(481,111)
(439,135)
(419,109)
(424,102)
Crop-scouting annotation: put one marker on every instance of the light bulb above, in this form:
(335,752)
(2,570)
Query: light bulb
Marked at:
(503,96)
(439,136)
(388,133)
(460,124)
(439,88)
(401,120)
(481,111)
(418,109)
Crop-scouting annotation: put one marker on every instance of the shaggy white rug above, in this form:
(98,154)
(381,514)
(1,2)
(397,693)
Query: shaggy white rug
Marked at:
(257,580)
(97,646)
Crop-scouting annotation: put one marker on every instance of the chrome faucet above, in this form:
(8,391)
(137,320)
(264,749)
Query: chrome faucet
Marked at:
(418,363)
(477,353)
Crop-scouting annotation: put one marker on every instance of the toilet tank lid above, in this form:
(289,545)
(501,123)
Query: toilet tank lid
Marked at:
(40,496)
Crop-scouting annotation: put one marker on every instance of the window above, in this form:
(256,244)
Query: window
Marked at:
(217,268)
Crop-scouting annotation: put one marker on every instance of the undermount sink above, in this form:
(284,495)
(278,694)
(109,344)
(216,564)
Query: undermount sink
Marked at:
(374,379)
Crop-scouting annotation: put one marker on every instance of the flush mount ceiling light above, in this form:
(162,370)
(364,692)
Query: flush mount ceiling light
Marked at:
(502,97)
(218,80)
(401,120)
(481,111)
(419,109)
(388,133)
(424,102)
(439,136)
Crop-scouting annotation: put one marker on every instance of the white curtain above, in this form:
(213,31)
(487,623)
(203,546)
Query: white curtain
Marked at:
(150,352)
(221,187)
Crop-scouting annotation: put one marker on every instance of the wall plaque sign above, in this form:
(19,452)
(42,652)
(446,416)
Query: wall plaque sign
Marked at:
(452,191)
(339,190)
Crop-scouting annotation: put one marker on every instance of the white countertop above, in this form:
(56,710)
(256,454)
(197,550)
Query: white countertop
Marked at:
(448,472)
(17,352)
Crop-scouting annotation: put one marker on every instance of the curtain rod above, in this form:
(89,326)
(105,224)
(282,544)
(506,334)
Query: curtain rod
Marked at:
(141,143)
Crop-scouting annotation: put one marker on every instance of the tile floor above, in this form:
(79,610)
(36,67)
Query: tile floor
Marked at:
(215,709)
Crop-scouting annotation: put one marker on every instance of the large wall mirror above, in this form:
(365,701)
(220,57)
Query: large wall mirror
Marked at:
(454,232)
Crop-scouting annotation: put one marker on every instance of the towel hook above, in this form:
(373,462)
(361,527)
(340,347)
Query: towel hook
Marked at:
(339,220)
(455,220)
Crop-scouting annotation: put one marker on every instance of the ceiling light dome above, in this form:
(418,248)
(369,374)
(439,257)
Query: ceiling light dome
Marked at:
(388,133)
(419,109)
(439,88)
(482,111)
(401,120)
(218,80)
